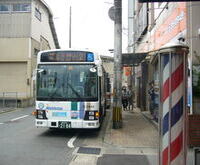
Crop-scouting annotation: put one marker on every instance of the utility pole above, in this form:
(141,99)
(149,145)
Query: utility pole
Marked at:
(70,26)
(117,104)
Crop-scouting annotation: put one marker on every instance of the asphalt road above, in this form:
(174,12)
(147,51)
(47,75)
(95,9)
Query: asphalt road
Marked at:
(21,143)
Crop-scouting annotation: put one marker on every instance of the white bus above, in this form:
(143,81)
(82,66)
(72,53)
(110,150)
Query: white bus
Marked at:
(71,87)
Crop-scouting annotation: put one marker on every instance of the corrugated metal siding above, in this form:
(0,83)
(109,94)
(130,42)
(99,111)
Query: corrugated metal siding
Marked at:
(14,49)
(13,77)
(15,25)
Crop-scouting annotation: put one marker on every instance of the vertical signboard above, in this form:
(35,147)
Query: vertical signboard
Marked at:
(128,71)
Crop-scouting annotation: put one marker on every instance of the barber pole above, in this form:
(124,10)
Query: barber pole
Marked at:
(173,86)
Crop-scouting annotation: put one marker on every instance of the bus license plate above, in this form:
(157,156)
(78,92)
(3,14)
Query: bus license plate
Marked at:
(64,124)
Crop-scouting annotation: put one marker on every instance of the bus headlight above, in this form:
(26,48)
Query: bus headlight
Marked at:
(41,114)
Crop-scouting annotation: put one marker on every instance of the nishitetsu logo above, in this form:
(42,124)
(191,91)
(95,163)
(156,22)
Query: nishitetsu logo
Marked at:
(40,105)
(74,115)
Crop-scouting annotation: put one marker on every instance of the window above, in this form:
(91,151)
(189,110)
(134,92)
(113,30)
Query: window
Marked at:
(19,7)
(67,83)
(22,7)
(37,14)
(4,8)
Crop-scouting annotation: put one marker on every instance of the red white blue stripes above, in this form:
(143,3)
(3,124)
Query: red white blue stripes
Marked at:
(172,97)
(165,108)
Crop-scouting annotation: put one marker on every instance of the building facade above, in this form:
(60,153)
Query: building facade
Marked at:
(26,27)
(154,26)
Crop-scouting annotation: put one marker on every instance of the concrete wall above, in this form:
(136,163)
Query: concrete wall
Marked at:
(130,26)
(13,65)
(193,41)
(13,78)
(168,24)
(15,24)
(14,49)
(22,35)
(193,32)
(40,30)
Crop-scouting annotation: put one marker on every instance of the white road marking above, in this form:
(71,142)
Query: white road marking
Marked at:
(21,117)
(71,141)
(1,123)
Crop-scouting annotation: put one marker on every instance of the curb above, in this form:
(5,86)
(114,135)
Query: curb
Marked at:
(155,124)
(106,138)
(8,110)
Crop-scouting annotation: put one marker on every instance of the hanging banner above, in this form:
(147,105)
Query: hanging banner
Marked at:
(128,71)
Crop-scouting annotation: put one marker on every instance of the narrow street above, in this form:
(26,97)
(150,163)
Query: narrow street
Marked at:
(22,143)
(64,62)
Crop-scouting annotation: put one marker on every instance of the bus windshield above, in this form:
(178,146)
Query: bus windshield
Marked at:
(66,82)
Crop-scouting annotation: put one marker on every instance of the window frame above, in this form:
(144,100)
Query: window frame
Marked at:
(21,7)
(5,4)
(11,8)
(38,14)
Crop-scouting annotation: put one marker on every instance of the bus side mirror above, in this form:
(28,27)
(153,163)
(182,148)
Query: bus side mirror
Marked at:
(41,71)
(93,69)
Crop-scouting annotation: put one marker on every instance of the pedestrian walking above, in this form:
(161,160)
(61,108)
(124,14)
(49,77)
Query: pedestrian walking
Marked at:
(153,100)
(130,99)
(151,93)
(124,98)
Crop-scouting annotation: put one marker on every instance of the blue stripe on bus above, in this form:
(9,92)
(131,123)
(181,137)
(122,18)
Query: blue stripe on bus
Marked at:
(82,110)
(59,114)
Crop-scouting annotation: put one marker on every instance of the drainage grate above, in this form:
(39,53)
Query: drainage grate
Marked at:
(86,150)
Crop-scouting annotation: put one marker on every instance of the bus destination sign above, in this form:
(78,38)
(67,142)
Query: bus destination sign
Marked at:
(67,56)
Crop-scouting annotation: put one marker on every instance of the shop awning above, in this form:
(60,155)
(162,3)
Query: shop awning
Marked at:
(132,59)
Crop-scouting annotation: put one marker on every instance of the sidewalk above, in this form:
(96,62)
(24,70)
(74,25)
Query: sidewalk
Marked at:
(137,131)
(149,117)
(6,109)
(136,143)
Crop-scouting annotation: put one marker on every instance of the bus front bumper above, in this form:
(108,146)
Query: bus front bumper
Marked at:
(67,124)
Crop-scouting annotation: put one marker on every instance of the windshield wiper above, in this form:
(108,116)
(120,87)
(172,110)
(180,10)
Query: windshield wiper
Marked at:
(77,94)
(52,95)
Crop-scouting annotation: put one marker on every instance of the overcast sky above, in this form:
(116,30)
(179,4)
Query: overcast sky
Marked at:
(91,26)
